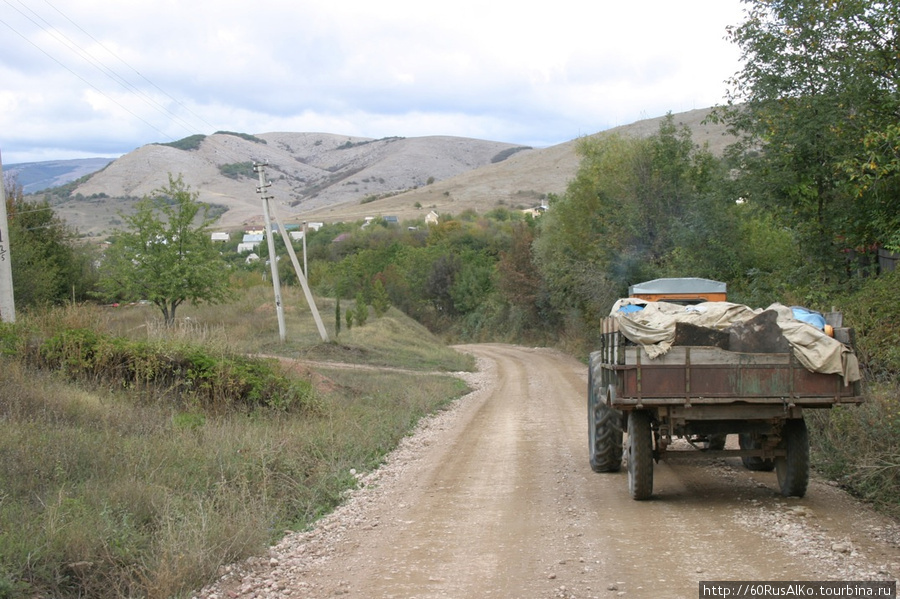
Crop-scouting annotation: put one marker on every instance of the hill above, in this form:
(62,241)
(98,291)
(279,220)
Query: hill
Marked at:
(327,177)
(38,176)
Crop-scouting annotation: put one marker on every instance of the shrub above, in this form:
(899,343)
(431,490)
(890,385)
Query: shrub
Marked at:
(188,375)
(874,313)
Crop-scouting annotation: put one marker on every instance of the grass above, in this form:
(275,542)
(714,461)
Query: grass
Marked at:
(859,447)
(109,493)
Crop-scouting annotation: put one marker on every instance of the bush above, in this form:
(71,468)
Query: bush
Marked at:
(874,313)
(859,447)
(187,375)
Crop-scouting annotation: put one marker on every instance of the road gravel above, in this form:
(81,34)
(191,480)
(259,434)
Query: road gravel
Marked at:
(494,497)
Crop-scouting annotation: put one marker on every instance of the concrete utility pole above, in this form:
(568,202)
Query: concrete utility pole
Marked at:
(7,302)
(301,275)
(273,263)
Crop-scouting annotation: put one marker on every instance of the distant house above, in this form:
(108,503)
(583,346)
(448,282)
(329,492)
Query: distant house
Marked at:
(536,212)
(254,232)
(315,226)
(296,235)
(221,237)
(390,220)
(432,218)
(341,237)
(250,242)
(253,257)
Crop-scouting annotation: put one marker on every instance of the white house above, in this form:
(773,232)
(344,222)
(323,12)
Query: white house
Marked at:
(250,242)
(432,218)
(221,237)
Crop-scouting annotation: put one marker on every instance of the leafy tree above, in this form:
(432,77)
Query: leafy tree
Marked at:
(166,255)
(361,313)
(619,220)
(814,103)
(48,264)
(337,317)
(380,299)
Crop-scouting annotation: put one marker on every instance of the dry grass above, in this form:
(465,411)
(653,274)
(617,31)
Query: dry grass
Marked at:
(105,494)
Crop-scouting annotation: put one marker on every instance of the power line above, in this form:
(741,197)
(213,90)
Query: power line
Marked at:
(112,74)
(136,72)
(83,80)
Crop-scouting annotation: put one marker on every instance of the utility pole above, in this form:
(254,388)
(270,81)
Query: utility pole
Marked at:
(7,302)
(301,274)
(303,283)
(273,263)
(305,267)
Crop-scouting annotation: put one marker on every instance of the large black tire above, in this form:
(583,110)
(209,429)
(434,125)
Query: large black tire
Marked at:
(793,469)
(716,442)
(604,429)
(754,463)
(640,455)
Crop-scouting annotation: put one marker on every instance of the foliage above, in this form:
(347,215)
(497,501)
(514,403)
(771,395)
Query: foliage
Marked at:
(858,447)
(166,255)
(621,217)
(185,375)
(191,142)
(814,104)
(48,265)
(236,170)
(246,136)
(504,154)
(874,314)
(107,495)
(380,300)
(361,313)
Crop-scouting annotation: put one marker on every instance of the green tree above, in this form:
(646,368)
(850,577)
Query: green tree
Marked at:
(618,222)
(337,317)
(361,313)
(813,104)
(48,264)
(380,299)
(166,255)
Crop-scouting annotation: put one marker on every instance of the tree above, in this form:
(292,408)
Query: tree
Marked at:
(166,254)
(361,313)
(380,299)
(48,265)
(618,221)
(814,103)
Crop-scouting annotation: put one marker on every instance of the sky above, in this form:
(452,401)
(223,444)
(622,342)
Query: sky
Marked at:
(92,78)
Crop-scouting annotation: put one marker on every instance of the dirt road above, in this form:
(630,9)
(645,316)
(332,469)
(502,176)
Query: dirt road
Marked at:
(495,498)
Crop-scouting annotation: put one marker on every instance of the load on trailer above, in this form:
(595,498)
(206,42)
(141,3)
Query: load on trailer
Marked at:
(677,361)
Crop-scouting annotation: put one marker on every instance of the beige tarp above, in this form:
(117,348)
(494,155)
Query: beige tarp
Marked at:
(653,327)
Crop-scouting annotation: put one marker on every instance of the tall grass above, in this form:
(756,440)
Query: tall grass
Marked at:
(108,493)
(859,447)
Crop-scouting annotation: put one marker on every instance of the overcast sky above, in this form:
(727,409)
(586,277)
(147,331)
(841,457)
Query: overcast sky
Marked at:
(84,78)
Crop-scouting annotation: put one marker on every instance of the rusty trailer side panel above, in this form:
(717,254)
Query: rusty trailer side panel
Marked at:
(713,375)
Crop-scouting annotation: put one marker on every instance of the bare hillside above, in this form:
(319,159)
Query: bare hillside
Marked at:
(308,171)
(327,177)
(519,182)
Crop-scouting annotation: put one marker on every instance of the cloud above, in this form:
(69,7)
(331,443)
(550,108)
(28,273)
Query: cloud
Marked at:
(80,79)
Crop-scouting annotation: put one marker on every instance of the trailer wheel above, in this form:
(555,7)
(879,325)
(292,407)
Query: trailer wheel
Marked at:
(793,469)
(640,455)
(716,442)
(604,430)
(755,463)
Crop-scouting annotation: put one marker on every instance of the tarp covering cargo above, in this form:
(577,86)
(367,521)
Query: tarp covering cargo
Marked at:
(653,326)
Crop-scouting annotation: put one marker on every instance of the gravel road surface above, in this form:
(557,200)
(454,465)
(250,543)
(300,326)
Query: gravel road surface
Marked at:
(495,498)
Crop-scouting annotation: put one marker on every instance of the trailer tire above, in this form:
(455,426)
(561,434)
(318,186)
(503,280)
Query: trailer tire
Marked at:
(640,455)
(793,469)
(754,463)
(604,429)
(716,442)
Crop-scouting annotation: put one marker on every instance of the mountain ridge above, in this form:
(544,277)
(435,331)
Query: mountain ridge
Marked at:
(331,177)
